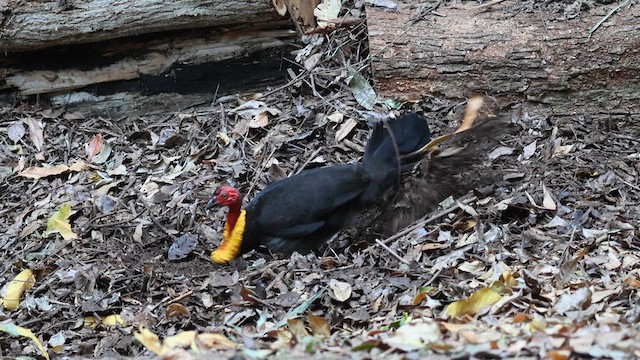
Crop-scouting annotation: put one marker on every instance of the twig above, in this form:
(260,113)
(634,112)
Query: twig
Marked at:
(490,3)
(629,184)
(168,300)
(293,313)
(391,251)
(309,159)
(293,81)
(180,297)
(271,264)
(433,278)
(606,17)
(464,200)
(97,226)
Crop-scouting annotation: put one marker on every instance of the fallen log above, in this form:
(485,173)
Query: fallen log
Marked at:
(38,24)
(107,57)
(532,56)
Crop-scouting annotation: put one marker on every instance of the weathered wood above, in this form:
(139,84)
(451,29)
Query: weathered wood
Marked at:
(38,24)
(179,88)
(535,57)
(153,58)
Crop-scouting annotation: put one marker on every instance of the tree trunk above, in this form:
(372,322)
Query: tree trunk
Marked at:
(534,57)
(37,24)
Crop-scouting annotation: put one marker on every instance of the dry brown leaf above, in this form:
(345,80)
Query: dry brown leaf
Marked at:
(297,328)
(559,354)
(569,268)
(319,325)
(422,295)
(632,281)
(175,310)
(36,132)
(35,172)
(345,129)
(432,246)
(259,121)
(94,146)
(248,295)
(520,318)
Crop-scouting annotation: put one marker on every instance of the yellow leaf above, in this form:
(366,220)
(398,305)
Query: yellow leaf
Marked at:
(13,292)
(184,340)
(59,223)
(536,325)
(112,320)
(474,303)
(508,279)
(92,322)
(215,341)
(14,330)
(149,340)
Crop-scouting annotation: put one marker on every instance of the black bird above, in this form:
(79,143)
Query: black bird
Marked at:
(303,211)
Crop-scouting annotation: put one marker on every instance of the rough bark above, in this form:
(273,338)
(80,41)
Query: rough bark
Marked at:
(132,59)
(535,57)
(38,24)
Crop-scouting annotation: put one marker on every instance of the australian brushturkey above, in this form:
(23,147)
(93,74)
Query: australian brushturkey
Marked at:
(303,211)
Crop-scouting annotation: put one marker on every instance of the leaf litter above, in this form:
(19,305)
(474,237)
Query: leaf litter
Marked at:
(541,262)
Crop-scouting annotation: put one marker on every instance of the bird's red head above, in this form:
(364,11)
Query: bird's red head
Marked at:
(225,196)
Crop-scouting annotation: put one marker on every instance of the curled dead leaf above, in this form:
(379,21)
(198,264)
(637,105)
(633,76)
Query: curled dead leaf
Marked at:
(176,310)
(94,146)
(259,121)
(36,132)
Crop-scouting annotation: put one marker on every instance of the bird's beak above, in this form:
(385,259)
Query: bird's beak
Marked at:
(212,203)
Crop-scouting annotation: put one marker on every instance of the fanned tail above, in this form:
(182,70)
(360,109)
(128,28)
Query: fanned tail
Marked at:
(393,148)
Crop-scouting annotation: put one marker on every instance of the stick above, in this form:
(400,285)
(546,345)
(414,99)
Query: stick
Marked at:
(391,251)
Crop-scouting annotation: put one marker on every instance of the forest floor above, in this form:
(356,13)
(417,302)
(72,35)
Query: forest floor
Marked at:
(545,258)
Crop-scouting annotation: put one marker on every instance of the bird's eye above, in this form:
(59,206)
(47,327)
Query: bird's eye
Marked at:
(224,195)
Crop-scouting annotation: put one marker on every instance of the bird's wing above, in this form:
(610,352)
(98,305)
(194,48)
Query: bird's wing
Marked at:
(299,206)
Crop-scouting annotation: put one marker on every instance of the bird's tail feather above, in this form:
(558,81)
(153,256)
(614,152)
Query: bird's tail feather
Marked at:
(393,148)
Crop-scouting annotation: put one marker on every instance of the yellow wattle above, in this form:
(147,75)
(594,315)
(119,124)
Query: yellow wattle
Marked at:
(231,242)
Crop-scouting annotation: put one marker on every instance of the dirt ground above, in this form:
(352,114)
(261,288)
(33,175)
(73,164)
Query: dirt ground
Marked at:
(546,252)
